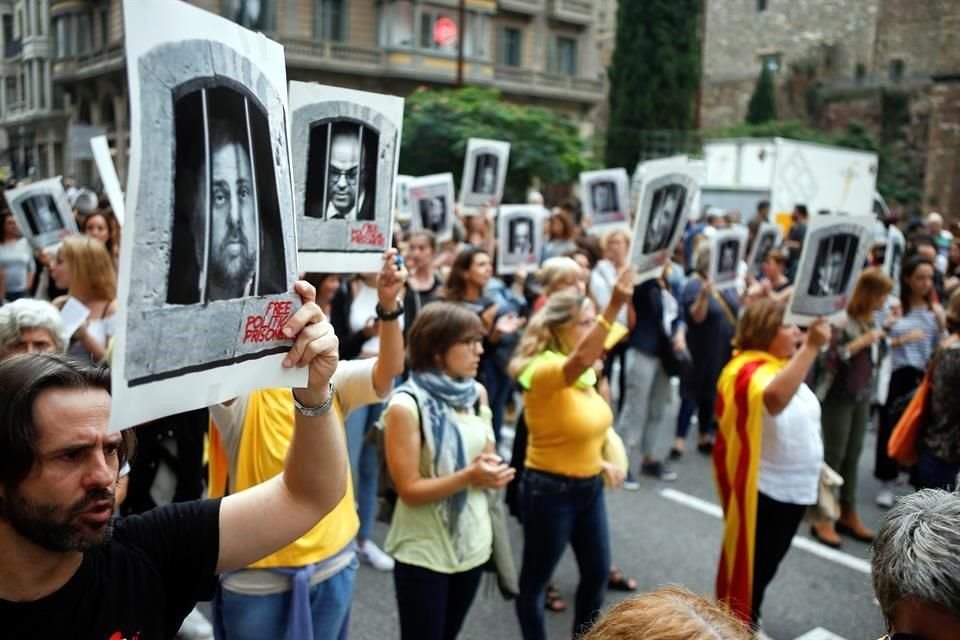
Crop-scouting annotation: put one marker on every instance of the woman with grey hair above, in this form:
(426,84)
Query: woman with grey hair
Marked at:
(916,566)
(31,326)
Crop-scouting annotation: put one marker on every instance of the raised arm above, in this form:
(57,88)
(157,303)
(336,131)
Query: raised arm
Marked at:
(590,346)
(258,521)
(785,384)
(390,282)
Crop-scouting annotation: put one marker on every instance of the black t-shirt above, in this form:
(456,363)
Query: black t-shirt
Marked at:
(139,586)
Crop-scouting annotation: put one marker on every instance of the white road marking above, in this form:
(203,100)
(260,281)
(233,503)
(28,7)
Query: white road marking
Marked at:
(810,546)
(820,634)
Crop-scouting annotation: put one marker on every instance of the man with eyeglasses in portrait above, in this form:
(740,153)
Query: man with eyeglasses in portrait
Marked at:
(346,177)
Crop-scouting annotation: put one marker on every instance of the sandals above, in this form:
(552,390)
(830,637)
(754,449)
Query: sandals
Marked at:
(620,582)
(554,601)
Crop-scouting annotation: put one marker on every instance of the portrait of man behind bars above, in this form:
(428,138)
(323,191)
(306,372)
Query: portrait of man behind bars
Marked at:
(227,240)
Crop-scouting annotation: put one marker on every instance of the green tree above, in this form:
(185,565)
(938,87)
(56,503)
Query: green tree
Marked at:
(654,73)
(437,123)
(763,102)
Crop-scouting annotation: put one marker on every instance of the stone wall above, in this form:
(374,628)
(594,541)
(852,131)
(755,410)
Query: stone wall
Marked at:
(942,181)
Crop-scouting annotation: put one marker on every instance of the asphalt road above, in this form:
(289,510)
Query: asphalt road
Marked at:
(669,537)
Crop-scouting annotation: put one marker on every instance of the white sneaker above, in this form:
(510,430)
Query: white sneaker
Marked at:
(195,627)
(885,498)
(375,557)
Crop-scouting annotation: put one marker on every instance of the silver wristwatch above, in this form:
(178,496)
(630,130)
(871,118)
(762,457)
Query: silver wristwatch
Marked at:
(314,412)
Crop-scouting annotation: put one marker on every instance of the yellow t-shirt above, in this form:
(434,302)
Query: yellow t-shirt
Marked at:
(566,424)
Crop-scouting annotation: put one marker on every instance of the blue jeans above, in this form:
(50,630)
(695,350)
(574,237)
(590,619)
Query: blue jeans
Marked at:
(932,472)
(558,510)
(364,465)
(247,617)
(432,606)
(499,387)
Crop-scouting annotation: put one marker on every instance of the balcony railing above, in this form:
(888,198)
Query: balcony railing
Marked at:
(89,63)
(522,6)
(542,82)
(327,51)
(579,11)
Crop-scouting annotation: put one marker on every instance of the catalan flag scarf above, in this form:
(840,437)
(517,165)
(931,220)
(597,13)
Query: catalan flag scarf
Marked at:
(736,462)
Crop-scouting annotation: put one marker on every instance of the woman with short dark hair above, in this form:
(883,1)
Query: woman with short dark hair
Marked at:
(441,456)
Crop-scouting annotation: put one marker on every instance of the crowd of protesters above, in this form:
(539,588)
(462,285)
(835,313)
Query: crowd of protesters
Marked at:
(455,383)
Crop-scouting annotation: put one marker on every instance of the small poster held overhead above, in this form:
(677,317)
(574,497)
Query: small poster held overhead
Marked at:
(769,237)
(42,212)
(893,257)
(834,251)
(605,195)
(401,203)
(431,204)
(209,257)
(346,147)
(520,237)
(484,173)
(108,176)
(666,197)
(727,248)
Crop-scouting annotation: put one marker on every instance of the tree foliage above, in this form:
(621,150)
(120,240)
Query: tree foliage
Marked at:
(763,102)
(544,145)
(654,73)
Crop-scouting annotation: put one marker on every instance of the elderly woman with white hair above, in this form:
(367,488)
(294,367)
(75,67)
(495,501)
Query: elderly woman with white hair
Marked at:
(31,326)
(916,567)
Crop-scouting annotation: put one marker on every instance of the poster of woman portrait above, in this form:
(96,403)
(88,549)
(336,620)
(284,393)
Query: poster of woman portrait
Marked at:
(666,197)
(605,199)
(209,258)
(346,146)
(727,249)
(484,172)
(834,251)
(42,212)
(431,204)
(769,236)
(519,237)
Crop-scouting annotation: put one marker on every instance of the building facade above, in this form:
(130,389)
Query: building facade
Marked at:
(542,52)
(891,65)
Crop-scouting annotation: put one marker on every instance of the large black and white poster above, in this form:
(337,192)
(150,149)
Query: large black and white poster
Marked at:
(209,259)
(769,236)
(42,212)
(893,257)
(520,237)
(834,251)
(346,145)
(431,204)
(484,172)
(666,197)
(605,199)
(727,249)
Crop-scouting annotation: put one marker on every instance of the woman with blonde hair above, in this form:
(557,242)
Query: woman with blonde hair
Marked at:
(669,613)
(846,386)
(568,423)
(84,267)
(558,274)
(769,453)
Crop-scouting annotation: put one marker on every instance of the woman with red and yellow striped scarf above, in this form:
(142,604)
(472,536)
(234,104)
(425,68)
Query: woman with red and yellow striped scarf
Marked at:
(768,452)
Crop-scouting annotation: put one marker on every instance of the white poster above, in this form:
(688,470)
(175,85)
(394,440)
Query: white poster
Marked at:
(484,172)
(209,258)
(666,197)
(727,249)
(834,251)
(108,176)
(605,198)
(42,212)
(520,237)
(769,237)
(431,204)
(346,146)
(402,198)
(893,256)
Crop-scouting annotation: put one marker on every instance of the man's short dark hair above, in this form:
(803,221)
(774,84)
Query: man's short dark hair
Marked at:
(802,210)
(763,204)
(22,379)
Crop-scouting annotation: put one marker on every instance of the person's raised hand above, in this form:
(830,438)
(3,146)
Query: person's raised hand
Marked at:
(623,287)
(818,335)
(393,275)
(509,323)
(315,346)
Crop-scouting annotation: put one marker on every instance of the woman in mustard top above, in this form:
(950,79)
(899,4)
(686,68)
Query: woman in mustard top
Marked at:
(561,493)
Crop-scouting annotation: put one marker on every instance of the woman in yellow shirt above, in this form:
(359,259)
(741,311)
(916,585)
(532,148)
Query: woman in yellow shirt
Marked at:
(561,493)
